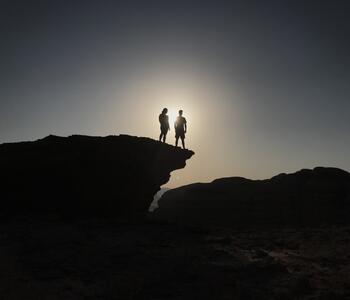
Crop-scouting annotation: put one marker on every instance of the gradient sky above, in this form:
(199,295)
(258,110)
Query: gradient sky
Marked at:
(264,85)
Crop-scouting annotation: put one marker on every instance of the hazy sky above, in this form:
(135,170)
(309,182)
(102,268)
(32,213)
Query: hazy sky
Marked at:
(264,85)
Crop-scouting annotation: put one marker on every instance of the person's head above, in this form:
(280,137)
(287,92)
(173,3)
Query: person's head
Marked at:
(164,111)
(180,112)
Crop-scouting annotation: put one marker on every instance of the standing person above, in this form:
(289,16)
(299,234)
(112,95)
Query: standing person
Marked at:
(180,129)
(164,124)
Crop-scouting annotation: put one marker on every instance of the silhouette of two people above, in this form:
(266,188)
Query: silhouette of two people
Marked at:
(180,127)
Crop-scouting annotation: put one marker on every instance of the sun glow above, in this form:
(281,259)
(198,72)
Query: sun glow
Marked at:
(204,100)
(172,113)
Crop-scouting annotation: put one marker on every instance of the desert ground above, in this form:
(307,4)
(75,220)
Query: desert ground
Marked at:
(53,258)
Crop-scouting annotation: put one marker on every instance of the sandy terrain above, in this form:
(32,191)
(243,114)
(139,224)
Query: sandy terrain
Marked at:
(102,259)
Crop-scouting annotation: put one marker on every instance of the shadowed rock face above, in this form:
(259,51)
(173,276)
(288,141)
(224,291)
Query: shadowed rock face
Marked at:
(307,198)
(82,174)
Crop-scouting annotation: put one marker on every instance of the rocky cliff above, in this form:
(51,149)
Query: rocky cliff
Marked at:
(83,174)
(307,198)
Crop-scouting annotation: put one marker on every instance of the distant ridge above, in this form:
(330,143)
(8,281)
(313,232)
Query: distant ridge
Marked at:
(305,198)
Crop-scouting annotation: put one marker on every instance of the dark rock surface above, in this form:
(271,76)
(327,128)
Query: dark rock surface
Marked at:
(43,258)
(96,256)
(305,198)
(83,174)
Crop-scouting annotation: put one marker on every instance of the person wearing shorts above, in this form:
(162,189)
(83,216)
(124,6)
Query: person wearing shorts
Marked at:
(180,129)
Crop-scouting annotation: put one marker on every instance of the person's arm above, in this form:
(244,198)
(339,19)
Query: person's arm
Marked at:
(185,125)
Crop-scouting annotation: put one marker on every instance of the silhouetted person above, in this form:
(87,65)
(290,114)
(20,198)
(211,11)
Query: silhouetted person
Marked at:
(180,129)
(164,124)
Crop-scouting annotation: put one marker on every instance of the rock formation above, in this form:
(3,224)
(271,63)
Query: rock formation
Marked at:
(83,174)
(307,198)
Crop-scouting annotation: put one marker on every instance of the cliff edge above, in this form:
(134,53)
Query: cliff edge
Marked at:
(112,175)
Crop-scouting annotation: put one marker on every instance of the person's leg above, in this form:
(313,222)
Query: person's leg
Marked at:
(164,137)
(176,141)
(161,136)
(183,142)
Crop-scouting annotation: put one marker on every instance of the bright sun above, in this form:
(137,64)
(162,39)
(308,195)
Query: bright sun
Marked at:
(172,113)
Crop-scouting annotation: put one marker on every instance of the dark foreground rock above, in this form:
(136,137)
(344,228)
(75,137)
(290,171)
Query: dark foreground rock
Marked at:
(82,174)
(305,198)
(109,259)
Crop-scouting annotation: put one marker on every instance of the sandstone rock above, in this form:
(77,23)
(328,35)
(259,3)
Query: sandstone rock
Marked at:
(307,198)
(83,174)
